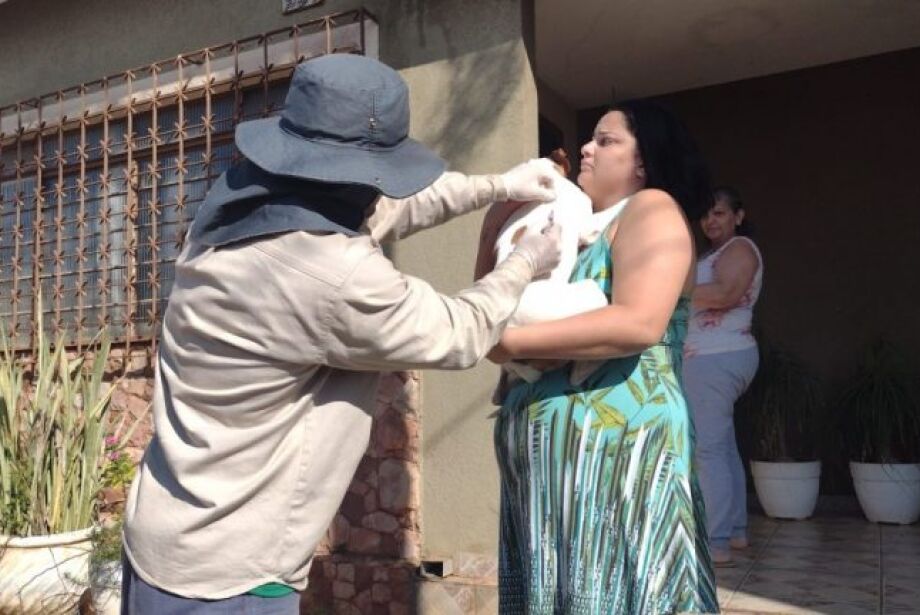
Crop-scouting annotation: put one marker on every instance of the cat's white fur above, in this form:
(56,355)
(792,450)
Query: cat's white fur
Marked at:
(553,297)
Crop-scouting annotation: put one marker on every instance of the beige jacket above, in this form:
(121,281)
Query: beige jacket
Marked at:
(266,381)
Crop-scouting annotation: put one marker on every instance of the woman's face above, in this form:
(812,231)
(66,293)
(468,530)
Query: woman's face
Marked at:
(720,222)
(610,165)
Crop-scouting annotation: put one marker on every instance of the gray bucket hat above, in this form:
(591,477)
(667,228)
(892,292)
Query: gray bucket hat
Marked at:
(345,120)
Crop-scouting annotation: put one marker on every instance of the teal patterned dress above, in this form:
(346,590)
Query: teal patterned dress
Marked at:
(601,512)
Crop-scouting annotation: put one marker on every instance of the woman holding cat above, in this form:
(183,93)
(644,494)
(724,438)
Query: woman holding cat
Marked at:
(601,512)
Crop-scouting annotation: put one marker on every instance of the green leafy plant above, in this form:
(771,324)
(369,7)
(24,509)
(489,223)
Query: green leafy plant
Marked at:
(105,557)
(106,544)
(53,419)
(119,468)
(117,475)
(881,409)
(783,407)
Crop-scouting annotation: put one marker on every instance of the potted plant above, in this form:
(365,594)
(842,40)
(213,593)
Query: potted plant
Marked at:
(881,411)
(105,568)
(105,561)
(782,407)
(53,417)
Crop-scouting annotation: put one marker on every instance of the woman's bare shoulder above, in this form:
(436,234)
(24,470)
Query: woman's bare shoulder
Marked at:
(740,247)
(651,204)
(648,210)
(651,198)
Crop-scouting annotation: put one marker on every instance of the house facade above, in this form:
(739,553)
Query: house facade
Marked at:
(116,117)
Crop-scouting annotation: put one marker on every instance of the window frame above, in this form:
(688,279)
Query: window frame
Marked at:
(240,71)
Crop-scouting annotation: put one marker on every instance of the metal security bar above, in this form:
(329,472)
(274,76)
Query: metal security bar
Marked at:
(99,182)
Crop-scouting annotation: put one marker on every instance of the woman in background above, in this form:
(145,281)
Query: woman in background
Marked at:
(720,362)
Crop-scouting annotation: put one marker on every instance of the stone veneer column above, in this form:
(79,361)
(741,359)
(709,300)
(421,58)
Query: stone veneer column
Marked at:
(367,562)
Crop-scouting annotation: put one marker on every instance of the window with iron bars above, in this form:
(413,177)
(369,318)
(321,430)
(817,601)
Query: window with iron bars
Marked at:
(98,183)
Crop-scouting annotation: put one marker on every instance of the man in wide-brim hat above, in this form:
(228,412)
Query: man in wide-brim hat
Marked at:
(282,313)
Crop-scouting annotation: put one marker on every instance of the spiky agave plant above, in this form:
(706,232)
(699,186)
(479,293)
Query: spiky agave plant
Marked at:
(53,419)
(784,407)
(881,409)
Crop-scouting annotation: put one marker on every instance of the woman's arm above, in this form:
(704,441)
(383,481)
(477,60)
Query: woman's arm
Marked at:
(734,271)
(653,253)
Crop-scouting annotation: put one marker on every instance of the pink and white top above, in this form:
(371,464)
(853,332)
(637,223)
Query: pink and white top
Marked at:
(723,330)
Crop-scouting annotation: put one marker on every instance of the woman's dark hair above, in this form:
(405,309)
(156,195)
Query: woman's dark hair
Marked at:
(671,158)
(732,198)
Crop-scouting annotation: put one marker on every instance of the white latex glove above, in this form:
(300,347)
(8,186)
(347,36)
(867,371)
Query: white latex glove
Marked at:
(543,250)
(531,181)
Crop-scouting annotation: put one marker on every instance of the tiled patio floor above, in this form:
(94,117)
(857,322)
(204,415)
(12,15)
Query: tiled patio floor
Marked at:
(830,565)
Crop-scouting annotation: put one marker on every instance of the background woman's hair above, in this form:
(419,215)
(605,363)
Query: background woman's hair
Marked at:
(732,198)
(671,158)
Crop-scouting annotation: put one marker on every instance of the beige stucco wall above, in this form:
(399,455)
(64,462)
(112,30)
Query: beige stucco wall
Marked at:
(486,129)
(473,100)
(479,110)
(49,44)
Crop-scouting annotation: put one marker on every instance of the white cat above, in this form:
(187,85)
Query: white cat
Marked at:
(554,297)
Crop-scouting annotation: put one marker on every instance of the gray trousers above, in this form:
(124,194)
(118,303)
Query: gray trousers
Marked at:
(712,384)
(141,598)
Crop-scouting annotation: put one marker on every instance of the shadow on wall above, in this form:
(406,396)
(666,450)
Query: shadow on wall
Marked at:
(417,32)
(460,103)
(481,87)
(412,14)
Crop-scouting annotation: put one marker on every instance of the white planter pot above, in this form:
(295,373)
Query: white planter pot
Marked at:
(44,574)
(888,493)
(107,589)
(787,490)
